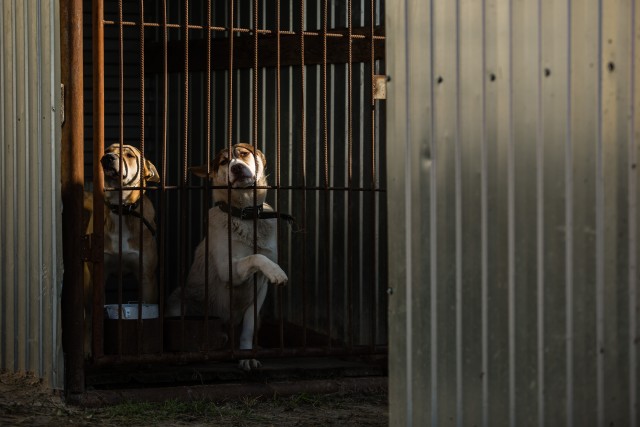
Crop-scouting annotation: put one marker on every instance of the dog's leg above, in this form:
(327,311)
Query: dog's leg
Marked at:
(248,328)
(245,267)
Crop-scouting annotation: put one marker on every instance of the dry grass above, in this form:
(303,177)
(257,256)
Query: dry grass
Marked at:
(24,401)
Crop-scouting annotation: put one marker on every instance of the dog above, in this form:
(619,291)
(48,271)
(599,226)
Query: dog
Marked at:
(134,173)
(240,168)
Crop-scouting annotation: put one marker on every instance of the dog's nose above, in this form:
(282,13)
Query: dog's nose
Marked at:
(106,159)
(237,169)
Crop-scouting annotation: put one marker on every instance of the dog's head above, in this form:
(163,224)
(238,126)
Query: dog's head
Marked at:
(240,168)
(132,173)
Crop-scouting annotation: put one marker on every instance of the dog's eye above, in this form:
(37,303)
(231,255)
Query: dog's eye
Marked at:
(129,155)
(224,162)
(243,154)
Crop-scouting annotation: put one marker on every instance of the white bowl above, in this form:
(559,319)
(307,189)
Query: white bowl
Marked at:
(130,311)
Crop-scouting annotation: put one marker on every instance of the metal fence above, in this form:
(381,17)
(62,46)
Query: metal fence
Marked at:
(513,185)
(294,79)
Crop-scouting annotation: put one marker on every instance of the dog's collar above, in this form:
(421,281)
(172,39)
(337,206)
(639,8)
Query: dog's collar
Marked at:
(251,212)
(130,209)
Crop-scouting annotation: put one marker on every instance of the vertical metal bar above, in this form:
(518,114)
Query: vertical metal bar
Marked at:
(374,193)
(72,194)
(230,144)
(304,174)
(185,153)
(120,167)
(97,276)
(207,197)
(255,147)
(278,165)
(163,177)
(327,194)
(141,295)
(350,245)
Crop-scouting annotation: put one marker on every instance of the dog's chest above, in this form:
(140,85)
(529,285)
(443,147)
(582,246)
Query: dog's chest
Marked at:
(130,247)
(246,235)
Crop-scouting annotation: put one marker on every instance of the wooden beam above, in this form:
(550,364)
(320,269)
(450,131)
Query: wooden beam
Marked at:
(243,50)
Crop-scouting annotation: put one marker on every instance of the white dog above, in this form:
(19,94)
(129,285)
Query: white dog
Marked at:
(240,168)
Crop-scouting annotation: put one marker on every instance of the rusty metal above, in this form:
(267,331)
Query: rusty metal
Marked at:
(233,354)
(326,192)
(157,339)
(207,202)
(256,10)
(379,94)
(279,43)
(98,179)
(350,243)
(130,341)
(72,175)
(163,177)
(304,175)
(120,325)
(230,144)
(278,183)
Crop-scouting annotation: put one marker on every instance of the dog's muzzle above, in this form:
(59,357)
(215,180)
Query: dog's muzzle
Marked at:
(241,174)
(110,164)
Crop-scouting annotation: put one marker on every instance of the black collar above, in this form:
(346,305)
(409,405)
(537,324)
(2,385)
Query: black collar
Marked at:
(251,212)
(130,209)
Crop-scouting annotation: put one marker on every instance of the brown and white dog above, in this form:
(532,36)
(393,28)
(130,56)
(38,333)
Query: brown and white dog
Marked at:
(240,169)
(134,173)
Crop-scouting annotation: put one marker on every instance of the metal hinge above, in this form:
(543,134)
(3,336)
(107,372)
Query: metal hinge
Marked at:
(91,248)
(87,254)
(379,87)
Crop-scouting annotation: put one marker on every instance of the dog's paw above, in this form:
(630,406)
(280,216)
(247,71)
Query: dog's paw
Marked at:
(249,364)
(276,275)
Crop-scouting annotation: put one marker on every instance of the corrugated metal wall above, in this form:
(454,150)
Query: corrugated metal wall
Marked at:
(30,206)
(513,235)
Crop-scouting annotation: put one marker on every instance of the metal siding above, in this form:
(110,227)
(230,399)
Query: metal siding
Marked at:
(512,165)
(31,263)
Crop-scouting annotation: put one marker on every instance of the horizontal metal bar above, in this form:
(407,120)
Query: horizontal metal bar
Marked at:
(237,354)
(212,187)
(224,392)
(243,30)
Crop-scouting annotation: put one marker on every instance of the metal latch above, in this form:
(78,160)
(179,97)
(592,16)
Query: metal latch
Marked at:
(379,87)
(86,251)
(61,104)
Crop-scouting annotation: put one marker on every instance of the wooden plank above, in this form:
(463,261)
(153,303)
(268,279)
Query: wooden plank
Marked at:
(243,51)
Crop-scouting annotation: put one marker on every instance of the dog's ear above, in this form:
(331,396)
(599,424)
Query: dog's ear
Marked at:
(201,171)
(263,159)
(150,172)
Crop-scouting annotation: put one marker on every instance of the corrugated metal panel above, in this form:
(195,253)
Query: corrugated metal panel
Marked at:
(30,208)
(513,180)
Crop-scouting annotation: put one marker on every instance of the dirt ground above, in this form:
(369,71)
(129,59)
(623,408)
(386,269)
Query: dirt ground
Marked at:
(25,401)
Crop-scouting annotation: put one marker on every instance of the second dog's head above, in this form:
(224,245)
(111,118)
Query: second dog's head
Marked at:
(133,172)
(240,167)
